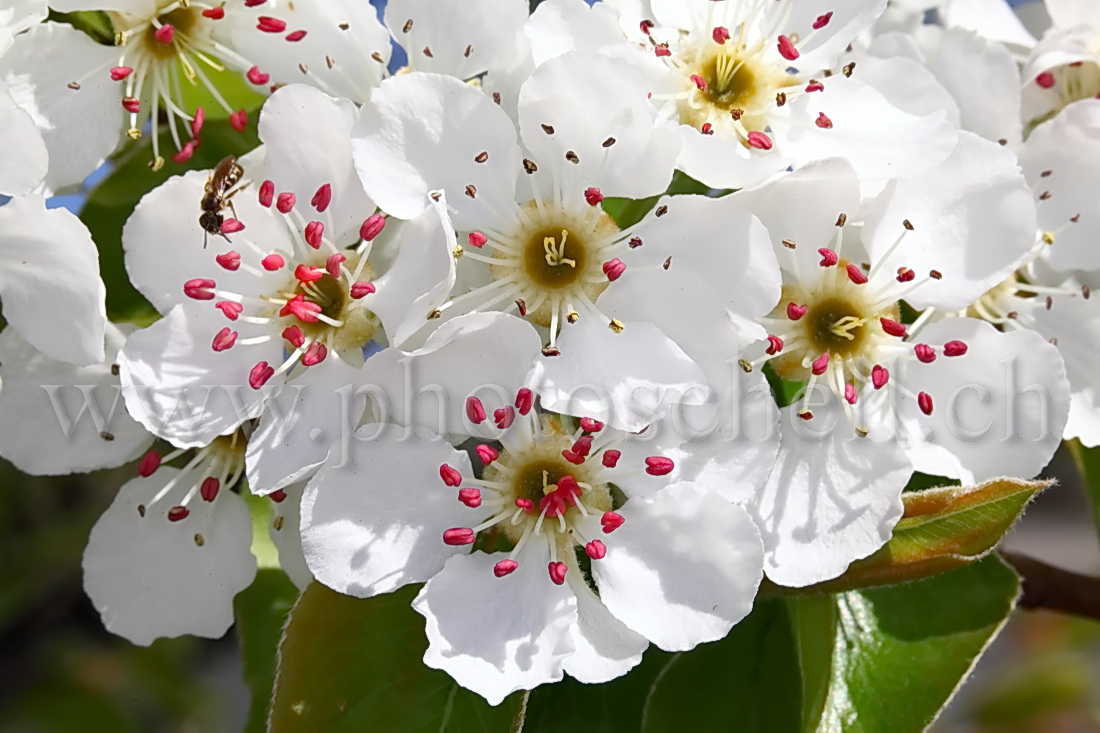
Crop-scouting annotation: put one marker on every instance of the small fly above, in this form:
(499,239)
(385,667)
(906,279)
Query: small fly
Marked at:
(218,195)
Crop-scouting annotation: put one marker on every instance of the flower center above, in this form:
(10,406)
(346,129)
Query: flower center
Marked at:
(1069,83)
(554,260)
(185,21)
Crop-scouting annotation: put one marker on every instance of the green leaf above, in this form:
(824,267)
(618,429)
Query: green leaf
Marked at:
(1088,466)
(261,611)
(940,530)
(901,652)
(347,664)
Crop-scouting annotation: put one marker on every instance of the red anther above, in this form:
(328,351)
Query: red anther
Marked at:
(707,128)
(285,202)
(260,374)
(855,274)
(209,488)
(307,274)
(659,465)
(759,140)
(611,458)
(184,154)
(177,513)
(200,288)
(794,311)
(278,496)
(526,505)
(828,257)
(553,504)
(820,364)
(362,289)
(487,453)
(505,567)
(787,49)
(720,34)
(557,572)
(315,354)
(892,327)
(267,193)
(230,309)
(662,50)
(313,233)
(525,400)
(372,227)
(273,262)
(806,415)
(197,121)
(267,24)
(450,475)
(295,36)
(575,458)
(294,336)
(1045,80)
(614,269)
(906,275)
(924,401)
(166,33)
(850,394)
(596,550)
(332,264)
(646,26)
(253,3)
(470,497)
(231,226)
(569,489)
(258,77)
(119,73)
(215,13)
(822,20)
(593,196)
(954,348)
(131,104)
(880,376)
(477,239)
(503,417)
(239,120)
(925,353)
(699,82)
(815,86)
(475,411)
(775,345)
(224,339)
(459,536)
(583,446)
(229,260)
(322,198)
(149,463)
(590,425)
(611,521)
(823,121)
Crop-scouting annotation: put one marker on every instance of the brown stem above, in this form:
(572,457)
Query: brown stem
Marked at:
(1055,589)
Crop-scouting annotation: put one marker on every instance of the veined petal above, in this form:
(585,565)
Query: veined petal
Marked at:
(605,647)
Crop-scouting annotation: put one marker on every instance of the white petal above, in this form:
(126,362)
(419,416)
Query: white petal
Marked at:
(421,277)
(422,133)
(908,85)
(993,19)
(149,578)
(821,48)
(373,518)
(1068,13)
(286,535)
(497,635)
(23,157)
(719,162)
(465,39)
(80,127)
(183,391)
(879,140)
(587,100)
(1069,147)
(998,410)
(560,26)
(308,139)
(832,497)
(19,15)
(49,281)
(618,387)
(605,648)
(44,397)
(140,8)
(682,569)
(299,425)
(973,219)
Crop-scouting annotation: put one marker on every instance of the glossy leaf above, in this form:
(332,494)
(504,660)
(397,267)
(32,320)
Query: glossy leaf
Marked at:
(348,664)
(261,611)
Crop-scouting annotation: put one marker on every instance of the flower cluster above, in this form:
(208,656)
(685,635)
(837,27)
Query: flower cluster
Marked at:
(585,319)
